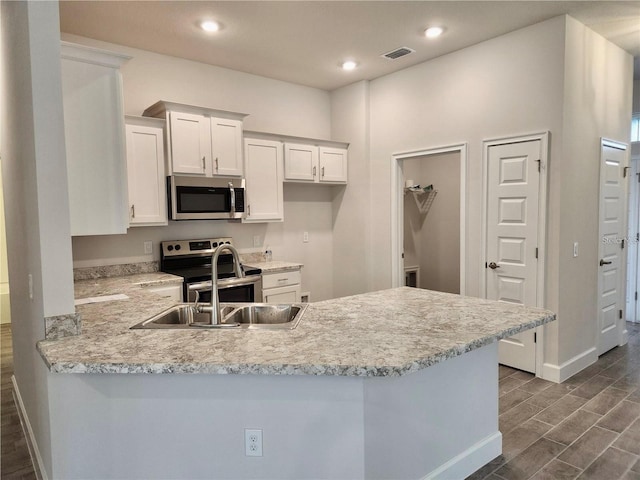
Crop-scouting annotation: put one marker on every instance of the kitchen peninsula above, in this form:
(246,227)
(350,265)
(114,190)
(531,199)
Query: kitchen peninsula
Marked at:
(399,383)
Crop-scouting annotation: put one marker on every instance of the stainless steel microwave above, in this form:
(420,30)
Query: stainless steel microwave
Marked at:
(205,198)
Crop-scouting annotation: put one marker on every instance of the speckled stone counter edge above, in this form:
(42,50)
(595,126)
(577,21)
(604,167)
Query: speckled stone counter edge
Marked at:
(60,326)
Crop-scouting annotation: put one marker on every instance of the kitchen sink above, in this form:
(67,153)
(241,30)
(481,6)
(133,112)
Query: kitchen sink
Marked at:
(238,315)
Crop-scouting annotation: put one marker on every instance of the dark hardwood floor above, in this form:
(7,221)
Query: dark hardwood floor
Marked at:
(585,428)
(15,462)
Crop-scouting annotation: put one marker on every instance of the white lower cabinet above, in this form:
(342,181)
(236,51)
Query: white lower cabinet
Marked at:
(283,287)
(263,177)
(145,171)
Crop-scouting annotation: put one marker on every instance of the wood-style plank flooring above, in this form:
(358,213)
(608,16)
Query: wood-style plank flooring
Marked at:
(585,428)
(15,462)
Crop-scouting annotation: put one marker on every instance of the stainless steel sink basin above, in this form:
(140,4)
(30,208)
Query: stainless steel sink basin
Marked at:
(238,315)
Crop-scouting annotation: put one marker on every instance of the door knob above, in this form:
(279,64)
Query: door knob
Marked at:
(493,265)
(602,262)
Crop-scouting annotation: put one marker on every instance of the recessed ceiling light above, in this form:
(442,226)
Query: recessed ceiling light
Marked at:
(210,26)
(433,32)
(349,65)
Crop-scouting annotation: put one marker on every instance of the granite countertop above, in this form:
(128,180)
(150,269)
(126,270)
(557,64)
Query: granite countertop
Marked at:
(385,333)
(274,266)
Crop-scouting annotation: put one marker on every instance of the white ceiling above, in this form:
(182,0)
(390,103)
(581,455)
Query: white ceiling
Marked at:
(305,41)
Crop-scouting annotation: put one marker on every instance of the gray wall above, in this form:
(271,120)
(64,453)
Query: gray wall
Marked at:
(432,240)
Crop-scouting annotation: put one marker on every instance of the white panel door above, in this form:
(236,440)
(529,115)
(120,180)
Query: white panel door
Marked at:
(226,147)
(611,246)
(190,143)
(512,233)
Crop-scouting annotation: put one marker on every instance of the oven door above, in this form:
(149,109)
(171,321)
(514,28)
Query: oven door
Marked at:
(230,290)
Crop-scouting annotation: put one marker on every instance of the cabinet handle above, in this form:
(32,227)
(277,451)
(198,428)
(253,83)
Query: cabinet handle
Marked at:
(314,171)
(133,211)
(248,210)
(203,164)
(322,172)
(217,167)
(283,279)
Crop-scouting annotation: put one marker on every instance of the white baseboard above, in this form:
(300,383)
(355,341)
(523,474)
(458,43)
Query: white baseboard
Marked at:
(36,459)
(473,458)
(559,373)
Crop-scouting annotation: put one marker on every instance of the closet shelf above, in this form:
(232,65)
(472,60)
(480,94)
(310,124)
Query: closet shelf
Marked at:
(423,198)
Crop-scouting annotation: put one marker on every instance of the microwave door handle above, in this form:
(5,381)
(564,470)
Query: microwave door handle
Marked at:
(232,192)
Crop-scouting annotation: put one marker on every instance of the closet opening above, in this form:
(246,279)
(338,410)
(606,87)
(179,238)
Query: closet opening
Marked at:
(429,245)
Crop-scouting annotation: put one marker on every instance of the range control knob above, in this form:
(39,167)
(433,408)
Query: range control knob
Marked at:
(170,247)
(178,247)
(214,244)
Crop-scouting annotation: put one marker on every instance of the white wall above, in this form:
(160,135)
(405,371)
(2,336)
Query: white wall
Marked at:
(597,103)
(432,241)
(505,86)
(35,194)
(512,85)
(273,106)
(352,211)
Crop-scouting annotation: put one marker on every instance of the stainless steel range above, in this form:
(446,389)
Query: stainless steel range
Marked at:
(191,260)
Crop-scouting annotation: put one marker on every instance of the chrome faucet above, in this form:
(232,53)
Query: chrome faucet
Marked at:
(214,308)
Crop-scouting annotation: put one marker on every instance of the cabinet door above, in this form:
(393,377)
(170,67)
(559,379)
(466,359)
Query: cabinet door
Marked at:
(190,143)
(263,178)
(145,170)
(333,165)
(226,147)
(290,294)
(300,162)
(95,147)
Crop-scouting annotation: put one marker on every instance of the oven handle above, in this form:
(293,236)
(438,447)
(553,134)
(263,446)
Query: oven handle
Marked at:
(232,192)
(226,282)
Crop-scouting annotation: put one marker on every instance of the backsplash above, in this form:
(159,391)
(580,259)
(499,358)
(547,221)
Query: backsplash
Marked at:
(106,271)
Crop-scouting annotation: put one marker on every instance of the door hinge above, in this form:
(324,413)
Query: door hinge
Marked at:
(637,237)
(620,314)
(402,254)
(536,252)
(535,337)
(636,297)
(624,172)
(486,265)
(622,243)
(539,162)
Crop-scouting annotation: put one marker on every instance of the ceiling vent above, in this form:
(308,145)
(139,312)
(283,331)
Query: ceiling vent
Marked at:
(397,53)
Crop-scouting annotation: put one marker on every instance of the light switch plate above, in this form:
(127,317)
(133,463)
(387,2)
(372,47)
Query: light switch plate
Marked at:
(148,248)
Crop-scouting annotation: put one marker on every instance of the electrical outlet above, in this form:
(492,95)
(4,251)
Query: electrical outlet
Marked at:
(575,249)
(305,237)
(256,241)
(148,248)
(252,442)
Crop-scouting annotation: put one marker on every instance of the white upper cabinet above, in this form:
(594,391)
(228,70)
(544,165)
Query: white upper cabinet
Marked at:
(201,141)
(226,141)
(190,143)
(95,140)
(300,162)
(314,161)
(333,165)
(263,177)
(145,171)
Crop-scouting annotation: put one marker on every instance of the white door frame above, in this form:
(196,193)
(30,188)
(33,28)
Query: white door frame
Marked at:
(542,224)
(397,209)
(633,227)
(623,334)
